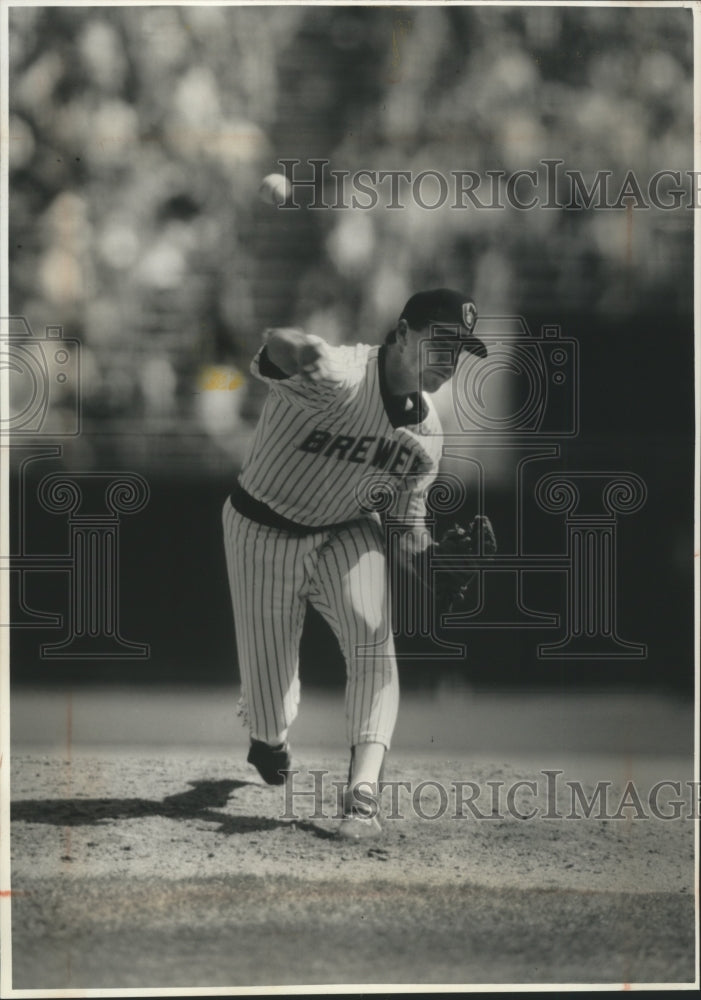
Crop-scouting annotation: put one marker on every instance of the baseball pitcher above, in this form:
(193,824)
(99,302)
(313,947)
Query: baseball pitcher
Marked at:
(296,531)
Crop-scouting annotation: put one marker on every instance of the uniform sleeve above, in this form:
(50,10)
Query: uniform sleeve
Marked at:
(410,505)
(347,365)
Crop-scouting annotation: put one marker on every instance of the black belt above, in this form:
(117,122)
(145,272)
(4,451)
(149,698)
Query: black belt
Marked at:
(256,510)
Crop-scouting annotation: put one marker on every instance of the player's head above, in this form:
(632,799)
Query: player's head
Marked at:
(434,328)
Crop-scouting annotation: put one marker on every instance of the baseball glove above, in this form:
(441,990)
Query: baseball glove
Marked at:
(478,539)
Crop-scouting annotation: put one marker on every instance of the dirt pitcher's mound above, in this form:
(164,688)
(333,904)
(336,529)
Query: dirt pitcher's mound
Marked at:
(189,872)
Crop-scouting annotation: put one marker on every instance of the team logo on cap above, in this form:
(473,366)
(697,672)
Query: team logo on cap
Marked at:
(469,314)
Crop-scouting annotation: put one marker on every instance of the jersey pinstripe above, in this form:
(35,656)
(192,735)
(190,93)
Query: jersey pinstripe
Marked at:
(316,444)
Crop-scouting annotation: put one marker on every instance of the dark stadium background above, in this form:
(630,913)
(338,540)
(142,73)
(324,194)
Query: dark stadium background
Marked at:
(138,140)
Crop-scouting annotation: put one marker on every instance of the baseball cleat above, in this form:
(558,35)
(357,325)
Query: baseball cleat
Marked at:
(361,819)
(272,763)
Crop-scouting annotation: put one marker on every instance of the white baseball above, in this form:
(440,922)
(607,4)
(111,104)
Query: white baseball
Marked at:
(275,189)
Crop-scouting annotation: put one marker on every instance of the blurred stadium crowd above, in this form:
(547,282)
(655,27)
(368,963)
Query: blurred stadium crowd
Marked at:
(139,135)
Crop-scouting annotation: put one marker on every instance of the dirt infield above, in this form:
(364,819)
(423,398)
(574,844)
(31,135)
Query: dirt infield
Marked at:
(184,870)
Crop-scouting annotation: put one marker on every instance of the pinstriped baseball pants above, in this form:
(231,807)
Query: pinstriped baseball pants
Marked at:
(341,573)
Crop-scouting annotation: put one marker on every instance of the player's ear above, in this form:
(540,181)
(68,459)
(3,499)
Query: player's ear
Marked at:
(402,331)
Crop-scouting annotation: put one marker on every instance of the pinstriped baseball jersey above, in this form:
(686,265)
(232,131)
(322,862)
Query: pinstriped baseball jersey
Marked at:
(316,444)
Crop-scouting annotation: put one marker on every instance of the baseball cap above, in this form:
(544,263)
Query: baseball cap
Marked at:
(444,305)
